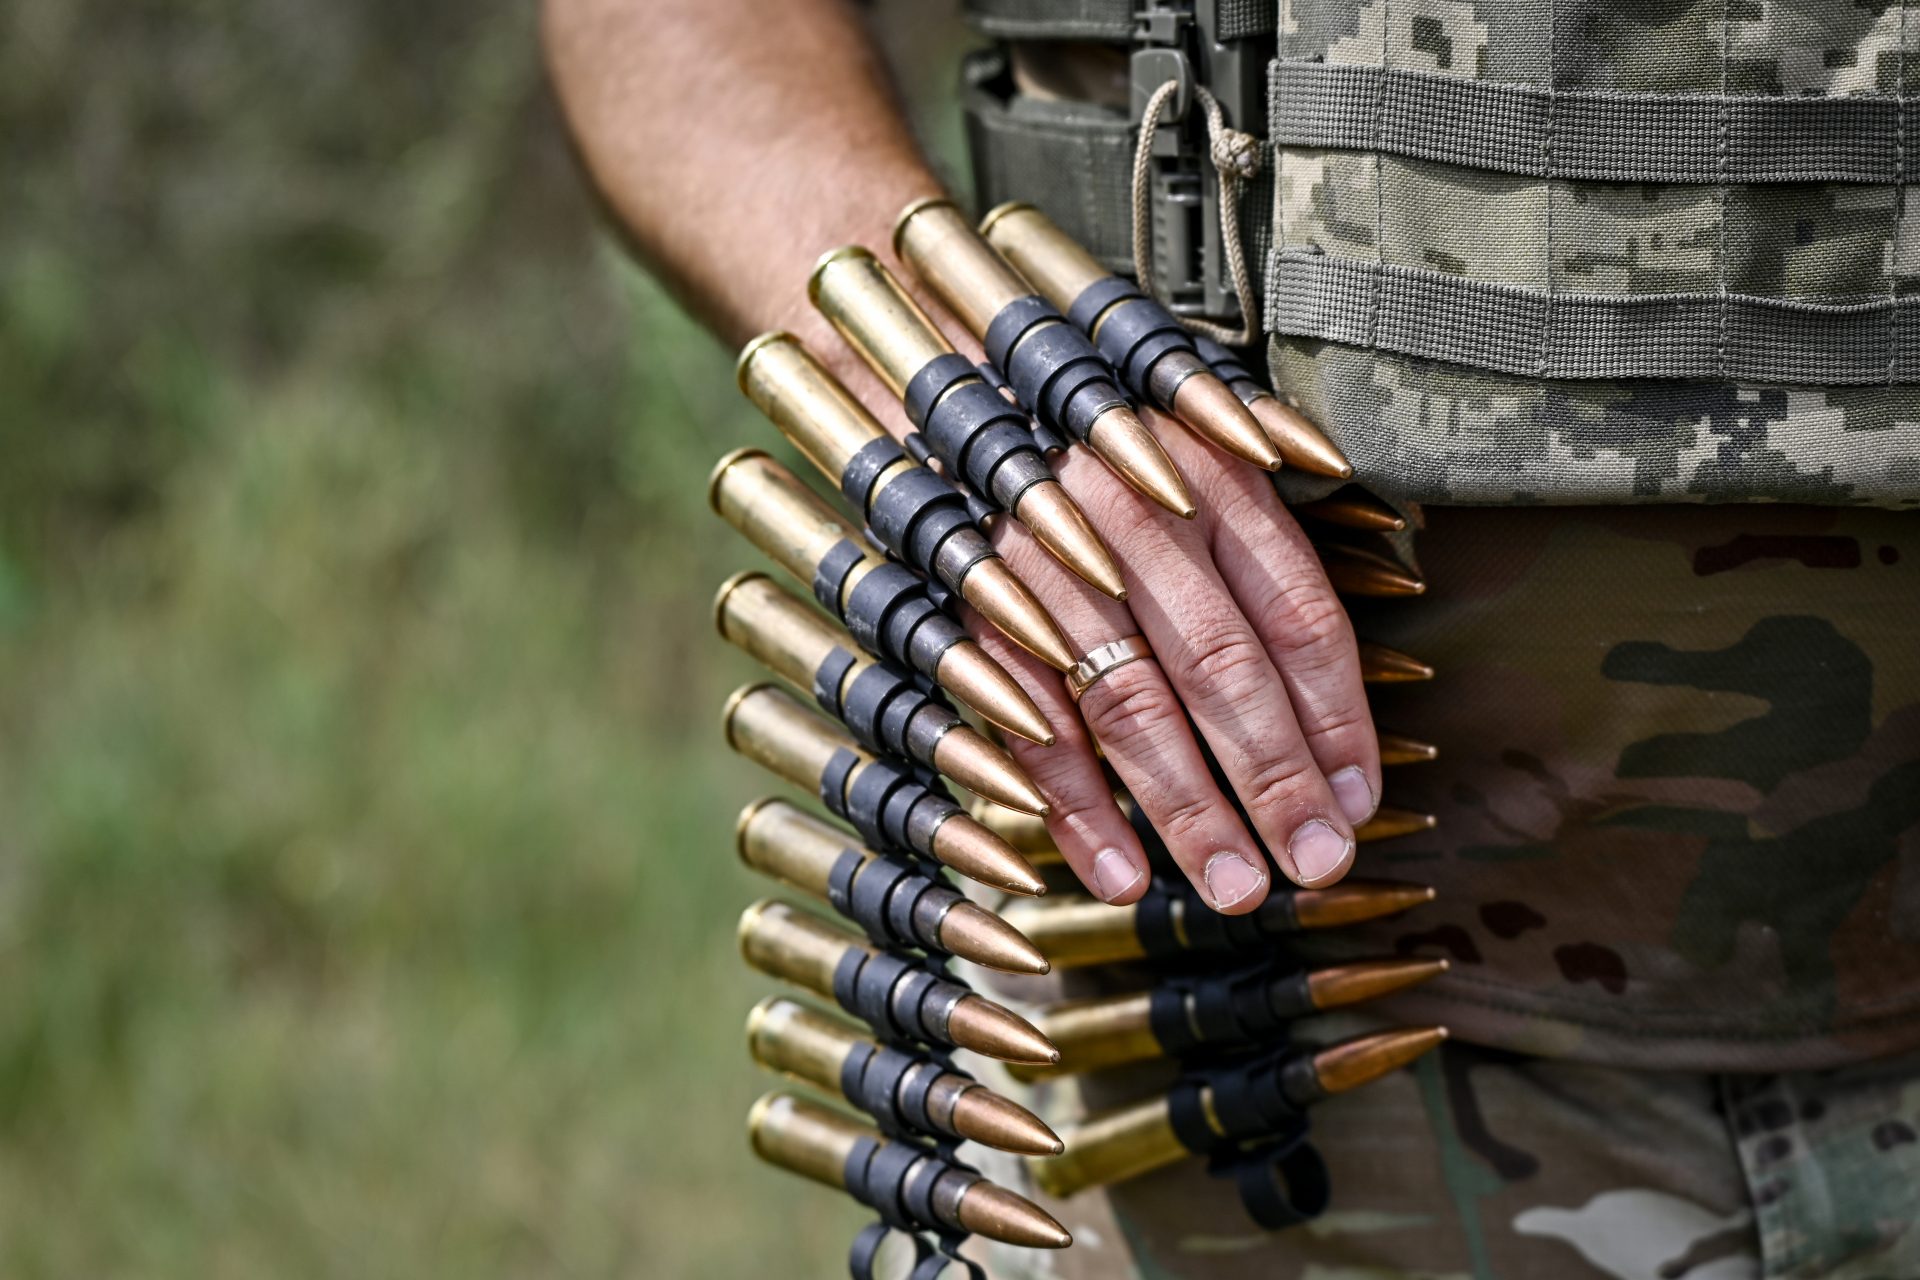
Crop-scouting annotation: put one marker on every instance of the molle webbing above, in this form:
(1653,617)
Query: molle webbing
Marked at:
(890,807)
(1136,332)
(1108,20)
(890,612)
(914,513)
(971,423)
(884,709)
(892,1086)
(893,903)
(1601,136)
(1054,368)
(1525,331)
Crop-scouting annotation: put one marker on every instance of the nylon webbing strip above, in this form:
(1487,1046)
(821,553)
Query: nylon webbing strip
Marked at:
(1584,335)
(1100,19)
(1609,137)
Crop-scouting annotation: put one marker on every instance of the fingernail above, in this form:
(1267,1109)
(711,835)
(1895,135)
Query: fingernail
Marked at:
(1355,796)
(1230,878)
(1318,851)
(1114,873)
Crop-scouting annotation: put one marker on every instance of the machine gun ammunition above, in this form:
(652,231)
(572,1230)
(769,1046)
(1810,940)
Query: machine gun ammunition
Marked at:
(896,904)
(961,420)
(918,516)
(898,998)
(909,1090)
(1146,343)
(886,608)
(889,807)
(881,705)
(1053,367)
(908,1186)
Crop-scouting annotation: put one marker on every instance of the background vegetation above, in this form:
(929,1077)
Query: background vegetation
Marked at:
(366,895)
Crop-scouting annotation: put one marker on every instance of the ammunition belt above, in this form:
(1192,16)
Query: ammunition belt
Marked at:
(888,805)
(892,612)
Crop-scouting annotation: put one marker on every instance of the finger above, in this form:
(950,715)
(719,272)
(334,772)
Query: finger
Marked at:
(1137,718)
(1270,568)
(1088,828)
(1218,665)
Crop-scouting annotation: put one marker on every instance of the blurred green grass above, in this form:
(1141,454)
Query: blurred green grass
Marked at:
(366,885)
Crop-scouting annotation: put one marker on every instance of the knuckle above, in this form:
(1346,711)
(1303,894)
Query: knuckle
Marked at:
(1220,658)
(1126,710)
(1310,625)
(1272,783)
(1183,817)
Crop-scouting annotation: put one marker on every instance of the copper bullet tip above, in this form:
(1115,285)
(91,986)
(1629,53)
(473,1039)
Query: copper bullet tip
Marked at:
(1354,508)
(993,588)
(976,934)
(978,854)
(977,681)
(1062,528)
(1345,984)
(965,755)
(1356,572)
(1381,665)
(1124,443)
(983,1116)
(996,1031)
(1355,901)
(1364,1059)
(1388,823)
(998,1214)
(1209,406)
(1397,748)
(1301,443)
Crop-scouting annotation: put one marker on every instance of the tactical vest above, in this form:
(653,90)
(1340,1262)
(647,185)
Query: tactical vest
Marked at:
(1524,251)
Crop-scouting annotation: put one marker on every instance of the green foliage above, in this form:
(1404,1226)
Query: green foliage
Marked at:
(366,884)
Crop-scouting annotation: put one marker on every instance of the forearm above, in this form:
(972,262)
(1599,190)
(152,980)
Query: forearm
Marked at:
(735,141)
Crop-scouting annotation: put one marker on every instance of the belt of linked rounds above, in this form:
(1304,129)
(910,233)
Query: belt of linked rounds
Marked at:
(874,676)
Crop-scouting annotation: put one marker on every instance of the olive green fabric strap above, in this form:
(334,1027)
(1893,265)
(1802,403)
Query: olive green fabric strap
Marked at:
(1075,161)
(1108,20)
(1583,335)
(1583,134)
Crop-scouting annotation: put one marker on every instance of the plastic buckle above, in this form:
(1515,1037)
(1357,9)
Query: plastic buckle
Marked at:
(1179,40)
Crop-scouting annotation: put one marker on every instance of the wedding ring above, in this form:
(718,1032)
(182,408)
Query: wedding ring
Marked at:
(1100,662)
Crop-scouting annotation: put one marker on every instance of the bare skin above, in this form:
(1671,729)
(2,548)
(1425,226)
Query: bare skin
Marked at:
(736,141)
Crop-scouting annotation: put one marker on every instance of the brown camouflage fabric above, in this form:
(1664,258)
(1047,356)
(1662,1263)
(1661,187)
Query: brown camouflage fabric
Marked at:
(1477,1164)
(1678,855)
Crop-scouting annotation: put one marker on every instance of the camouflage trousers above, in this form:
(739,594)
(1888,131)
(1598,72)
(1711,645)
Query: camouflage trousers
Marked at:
(1478,1164)
(1678,863)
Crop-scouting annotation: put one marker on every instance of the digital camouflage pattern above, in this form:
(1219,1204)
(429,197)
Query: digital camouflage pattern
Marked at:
(1678,863)
(1456,433)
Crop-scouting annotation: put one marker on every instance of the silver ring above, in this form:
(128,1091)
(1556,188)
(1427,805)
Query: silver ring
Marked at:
(1103,661)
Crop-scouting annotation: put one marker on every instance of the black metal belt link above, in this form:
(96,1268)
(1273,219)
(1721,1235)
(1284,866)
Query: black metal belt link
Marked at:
(931,1260)
(892,1085)
(884,708)
(1182,41)
(892,613)
(1049,440)
(891,806)
(890,994)
(1135,333)
(896,904)
(971,423)
(1281,1183)
(914,514)
(1221,1010)
(1056,371)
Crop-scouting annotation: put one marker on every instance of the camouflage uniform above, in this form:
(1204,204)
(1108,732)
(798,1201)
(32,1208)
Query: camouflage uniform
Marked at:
(1681,887)
(1582,260)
